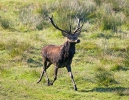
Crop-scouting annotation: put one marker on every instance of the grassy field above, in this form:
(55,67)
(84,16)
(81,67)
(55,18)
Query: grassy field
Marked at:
(100,65)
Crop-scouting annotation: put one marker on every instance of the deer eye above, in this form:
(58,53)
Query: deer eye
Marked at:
(70,37)
(74,38)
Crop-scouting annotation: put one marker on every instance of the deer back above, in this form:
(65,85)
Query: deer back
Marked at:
(59,55)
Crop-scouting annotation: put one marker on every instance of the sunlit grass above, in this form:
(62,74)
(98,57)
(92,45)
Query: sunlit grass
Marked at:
(100,64)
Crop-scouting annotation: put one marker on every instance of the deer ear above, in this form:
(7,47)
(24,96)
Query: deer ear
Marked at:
(64,34)
(78,33)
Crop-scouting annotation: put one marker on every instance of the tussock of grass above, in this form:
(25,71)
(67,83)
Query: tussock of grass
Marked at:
(104,77)
(118,67)
(4,72)
(4,23)
(14,46)
(122,91)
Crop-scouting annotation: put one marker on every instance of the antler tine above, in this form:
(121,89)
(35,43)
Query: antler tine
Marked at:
(70,28)
(51,19)
(78,25)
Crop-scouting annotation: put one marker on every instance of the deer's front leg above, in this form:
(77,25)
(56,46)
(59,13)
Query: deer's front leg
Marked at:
(71,75)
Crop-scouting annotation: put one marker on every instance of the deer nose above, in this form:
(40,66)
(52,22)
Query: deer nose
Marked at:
(78,41)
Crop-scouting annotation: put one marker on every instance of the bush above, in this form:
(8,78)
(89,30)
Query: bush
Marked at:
(30,20)
(66,11)
(109,19)
(104,15)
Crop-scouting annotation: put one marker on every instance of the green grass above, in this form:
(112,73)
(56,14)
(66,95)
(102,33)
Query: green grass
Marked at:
(19,73)
(100,65)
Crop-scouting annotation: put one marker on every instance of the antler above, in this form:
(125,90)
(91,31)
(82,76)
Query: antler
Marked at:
(65,33)
(51,19)
(78,26)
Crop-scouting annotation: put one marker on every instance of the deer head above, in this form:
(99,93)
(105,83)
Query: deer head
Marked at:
(71,36)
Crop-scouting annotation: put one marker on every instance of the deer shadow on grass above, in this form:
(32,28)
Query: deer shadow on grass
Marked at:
(34,63)
(122,91)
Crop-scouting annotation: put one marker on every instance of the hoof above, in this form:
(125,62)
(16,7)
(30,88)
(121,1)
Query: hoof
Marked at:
(49,84)
(75,88)
(38,81)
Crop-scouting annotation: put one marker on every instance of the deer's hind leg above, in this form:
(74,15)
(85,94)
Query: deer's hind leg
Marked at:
(55,75)
(46,65)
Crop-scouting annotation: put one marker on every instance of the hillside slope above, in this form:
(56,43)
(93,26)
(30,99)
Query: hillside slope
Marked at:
(100,65)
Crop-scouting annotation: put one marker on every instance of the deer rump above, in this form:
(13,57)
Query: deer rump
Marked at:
(60,56)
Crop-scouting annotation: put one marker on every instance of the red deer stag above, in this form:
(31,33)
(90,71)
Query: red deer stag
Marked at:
(61,56)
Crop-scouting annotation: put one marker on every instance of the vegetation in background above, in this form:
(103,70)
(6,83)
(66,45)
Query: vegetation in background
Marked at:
(101,62)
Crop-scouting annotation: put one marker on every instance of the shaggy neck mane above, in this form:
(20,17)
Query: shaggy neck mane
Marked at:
(68,49)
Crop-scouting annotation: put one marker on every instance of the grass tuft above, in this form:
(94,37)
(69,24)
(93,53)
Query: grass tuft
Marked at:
(4,23)
(122,92)
(118,67)
(104,77)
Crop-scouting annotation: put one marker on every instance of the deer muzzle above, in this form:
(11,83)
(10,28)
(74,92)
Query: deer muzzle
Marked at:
(78,41)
